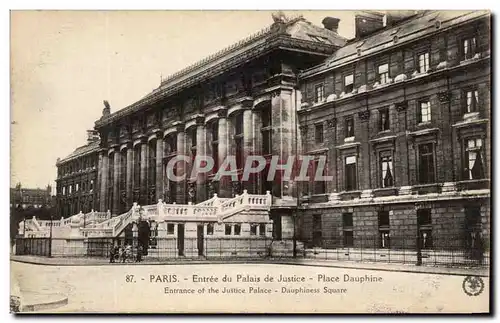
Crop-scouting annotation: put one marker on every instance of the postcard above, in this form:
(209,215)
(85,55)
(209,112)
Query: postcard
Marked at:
(250,162)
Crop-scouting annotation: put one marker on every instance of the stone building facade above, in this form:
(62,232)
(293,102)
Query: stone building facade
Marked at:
(402,114)
(31,197)
(76,183)
(237,102)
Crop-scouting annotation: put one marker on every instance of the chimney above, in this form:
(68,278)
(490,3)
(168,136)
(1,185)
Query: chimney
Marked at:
(367,22)
(331,23)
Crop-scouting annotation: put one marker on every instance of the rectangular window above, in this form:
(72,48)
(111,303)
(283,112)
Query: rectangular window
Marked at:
(424,111)
(237,229)
(383,73)
(473,227)
(266,117)
(348,83)
(319,186)
(170,228)
(228,229)
(210,229)
(350,173)
(386,169)
(317,230)
(347,227)
(349,127)
(262,229)
(472,101)
(384,228)
(384,121)
(424,224)
(469,48)
(319,93)
(423,62)
(426,164)
(474,159)
(253,229)
(318,133)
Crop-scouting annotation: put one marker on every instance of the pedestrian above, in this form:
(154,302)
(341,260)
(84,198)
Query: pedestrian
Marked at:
(139,254)
(113,253)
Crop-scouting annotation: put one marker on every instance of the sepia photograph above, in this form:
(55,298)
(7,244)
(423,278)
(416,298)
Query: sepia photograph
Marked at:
(239,161)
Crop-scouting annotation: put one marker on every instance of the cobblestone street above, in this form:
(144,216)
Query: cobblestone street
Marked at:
(173,288)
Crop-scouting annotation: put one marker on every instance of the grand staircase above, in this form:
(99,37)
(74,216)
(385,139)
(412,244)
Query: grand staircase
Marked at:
(102,224)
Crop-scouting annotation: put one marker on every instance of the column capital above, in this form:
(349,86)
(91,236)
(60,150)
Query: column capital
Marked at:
(401,106)
(200,120)
(179,126)
(332,122)
(247,102)
(222,113)
(364,115)
(158,133)
(444,97)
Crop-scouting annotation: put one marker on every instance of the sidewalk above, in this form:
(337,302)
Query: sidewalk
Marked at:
(410,268)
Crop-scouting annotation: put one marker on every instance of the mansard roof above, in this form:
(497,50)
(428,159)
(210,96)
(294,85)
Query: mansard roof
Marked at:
(421,25)
(80,151)
(295,33)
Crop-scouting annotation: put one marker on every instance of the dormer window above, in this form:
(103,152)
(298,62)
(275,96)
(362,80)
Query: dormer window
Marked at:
(319,91)
(383,73)
(348,83)
(423,62)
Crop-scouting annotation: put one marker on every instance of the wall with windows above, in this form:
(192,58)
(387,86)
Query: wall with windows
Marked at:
(415,116)
(437,224)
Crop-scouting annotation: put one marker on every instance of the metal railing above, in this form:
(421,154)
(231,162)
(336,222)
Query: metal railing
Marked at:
(443,251)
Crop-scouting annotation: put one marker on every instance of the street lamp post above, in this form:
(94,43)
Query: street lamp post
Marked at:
(50,236)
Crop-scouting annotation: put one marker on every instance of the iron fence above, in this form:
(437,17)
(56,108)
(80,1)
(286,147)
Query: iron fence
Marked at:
(159,249)
(448,251)
(443,251)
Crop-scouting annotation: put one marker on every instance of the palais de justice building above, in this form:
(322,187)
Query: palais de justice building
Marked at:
(401,113)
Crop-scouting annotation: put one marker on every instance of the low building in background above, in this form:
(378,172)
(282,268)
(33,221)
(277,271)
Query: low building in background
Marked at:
(31,197)
(76,181)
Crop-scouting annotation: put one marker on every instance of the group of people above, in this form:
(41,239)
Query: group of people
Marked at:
(125,253)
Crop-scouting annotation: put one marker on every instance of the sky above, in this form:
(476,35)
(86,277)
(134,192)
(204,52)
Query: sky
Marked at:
(65,63)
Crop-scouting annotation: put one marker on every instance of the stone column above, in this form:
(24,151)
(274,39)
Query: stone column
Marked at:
(130,174)
(181,167)
(104,180)
(159,166)
(201,150)
(225,182)
(283,136)
(248,141)
(97,184)
(116,182)
(144,168)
